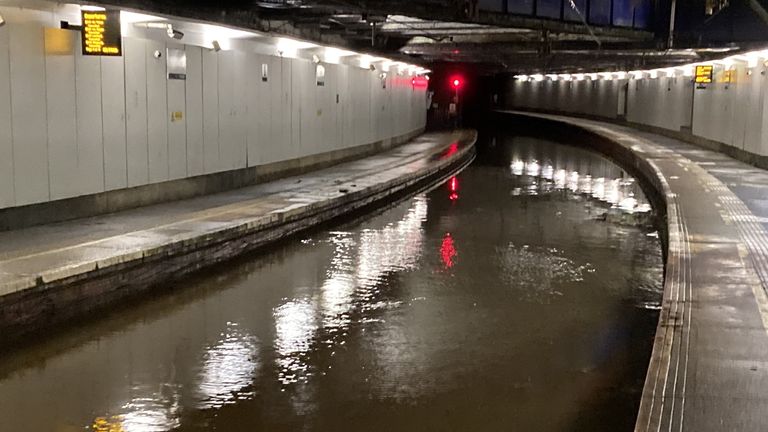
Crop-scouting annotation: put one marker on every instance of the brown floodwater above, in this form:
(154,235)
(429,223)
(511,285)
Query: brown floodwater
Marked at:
(522,294)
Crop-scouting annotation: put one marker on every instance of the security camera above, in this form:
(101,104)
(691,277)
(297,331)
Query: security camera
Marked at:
(372,68)
(174,34)
(315,58)
(216,46)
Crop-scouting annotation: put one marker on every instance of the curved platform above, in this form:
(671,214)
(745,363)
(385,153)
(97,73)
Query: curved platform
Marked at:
(709,367)
(53,273)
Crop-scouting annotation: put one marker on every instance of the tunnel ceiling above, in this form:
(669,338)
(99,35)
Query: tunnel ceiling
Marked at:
(441,31)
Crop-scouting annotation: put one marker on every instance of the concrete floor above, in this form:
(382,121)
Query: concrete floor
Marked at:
(709,369)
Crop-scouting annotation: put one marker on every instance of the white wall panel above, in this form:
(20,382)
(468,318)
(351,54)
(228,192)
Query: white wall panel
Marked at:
(341,111)
(763,146)
(260,111)
(293,75)
(61,115)
(194,113)
(7,195)
(90,143)
(306,102)
(239,155)
(742,104)
(73,125)
(280,114)
(113,118)
(134,52)
(227,114)
(157,113)
(211,152)
(733,113)
(177,127)
(253,95)
(30,146)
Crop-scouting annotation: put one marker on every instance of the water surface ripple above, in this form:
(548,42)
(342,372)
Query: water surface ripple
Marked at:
(520,295)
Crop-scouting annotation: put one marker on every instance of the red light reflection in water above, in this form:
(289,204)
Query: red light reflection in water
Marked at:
(453,188)
(447,251)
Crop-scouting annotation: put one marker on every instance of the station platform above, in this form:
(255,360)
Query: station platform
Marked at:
(52,273)
(709,367)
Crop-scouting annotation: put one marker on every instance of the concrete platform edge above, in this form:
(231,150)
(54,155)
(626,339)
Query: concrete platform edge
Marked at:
(663,198)
(48,300)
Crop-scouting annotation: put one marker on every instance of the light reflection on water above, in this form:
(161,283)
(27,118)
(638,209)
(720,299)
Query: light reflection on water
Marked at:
(599,179)
(295,326)
(537,272)
(359,262)
(506,306)
(229,368)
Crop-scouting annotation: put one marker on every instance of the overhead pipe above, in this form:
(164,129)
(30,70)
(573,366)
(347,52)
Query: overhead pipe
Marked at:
(671,38)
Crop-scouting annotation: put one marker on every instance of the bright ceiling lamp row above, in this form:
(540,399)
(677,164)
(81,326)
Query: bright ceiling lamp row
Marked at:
(752,59)
(219,38)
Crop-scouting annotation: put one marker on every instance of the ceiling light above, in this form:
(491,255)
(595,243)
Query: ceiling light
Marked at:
(290,48)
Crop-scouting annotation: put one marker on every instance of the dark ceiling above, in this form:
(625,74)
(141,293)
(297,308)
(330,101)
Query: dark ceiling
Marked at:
(453,31)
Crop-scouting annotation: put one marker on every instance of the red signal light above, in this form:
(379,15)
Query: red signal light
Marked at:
(456,82)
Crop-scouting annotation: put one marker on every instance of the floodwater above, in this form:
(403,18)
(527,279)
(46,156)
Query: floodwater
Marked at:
(521,295)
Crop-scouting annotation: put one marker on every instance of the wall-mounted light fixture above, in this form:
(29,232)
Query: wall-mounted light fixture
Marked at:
(2,21)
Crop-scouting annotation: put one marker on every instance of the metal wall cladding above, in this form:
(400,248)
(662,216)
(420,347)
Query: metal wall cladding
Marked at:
(733,113)
(72,125)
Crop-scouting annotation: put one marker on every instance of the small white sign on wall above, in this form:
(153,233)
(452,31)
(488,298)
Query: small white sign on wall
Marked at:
(176,59)
(320,75)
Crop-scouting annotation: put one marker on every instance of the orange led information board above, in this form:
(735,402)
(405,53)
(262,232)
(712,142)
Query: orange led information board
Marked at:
(703,74)
(101,33)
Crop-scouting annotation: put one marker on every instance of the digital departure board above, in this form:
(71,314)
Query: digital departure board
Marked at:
(101,33)
(703,74)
